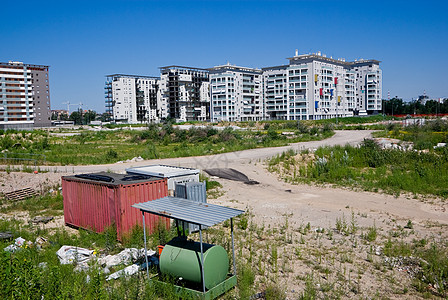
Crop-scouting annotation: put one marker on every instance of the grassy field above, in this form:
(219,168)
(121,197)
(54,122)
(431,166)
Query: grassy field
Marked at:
(162,141)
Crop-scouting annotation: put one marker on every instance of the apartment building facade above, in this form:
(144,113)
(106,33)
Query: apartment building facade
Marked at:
(369,89)
(309,87)
(133,99)
(24,96)
(314,87)
(236,94)
(185,93)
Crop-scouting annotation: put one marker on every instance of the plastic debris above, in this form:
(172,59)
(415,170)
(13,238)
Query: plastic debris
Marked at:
(71,254)
(19,241)
(152,260)
(18,244)
(41,242)
(7,235)
(37,220)
(133,269)
(230,174)
(130,270)
(127,256)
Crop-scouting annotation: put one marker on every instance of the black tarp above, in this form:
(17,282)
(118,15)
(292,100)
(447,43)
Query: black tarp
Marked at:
(230,174)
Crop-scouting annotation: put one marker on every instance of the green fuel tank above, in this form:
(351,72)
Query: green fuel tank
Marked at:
(182,258)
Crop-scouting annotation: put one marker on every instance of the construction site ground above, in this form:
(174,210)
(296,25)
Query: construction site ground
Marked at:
(301,222)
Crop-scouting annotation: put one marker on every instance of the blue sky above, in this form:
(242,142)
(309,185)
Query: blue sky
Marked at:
(83,41)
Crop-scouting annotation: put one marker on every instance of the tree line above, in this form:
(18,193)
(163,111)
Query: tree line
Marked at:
(80,117)
(397,106)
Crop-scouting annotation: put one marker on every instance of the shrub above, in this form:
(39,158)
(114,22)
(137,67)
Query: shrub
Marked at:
(111,155)
(301,127)
(314,130)
(246,279)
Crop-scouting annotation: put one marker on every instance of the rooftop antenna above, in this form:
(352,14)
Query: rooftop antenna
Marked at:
(297,52)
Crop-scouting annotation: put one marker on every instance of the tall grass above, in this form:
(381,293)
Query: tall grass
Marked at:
(371,168)
(422,136)
(157,141)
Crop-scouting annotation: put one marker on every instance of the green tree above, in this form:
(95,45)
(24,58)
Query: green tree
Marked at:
(76,116)
(89,116)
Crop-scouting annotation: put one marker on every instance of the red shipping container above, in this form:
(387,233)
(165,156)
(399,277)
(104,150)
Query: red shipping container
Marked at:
(99,200)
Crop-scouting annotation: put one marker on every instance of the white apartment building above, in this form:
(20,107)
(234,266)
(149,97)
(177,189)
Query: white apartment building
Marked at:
(314,87)
(310,87)
(133,99)
(24,96)
(236,94)
(185,93)
(369,88)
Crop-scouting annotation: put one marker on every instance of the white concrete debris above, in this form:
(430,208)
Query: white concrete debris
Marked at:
(134,159)
(130,270)
(72,254)
(127,256)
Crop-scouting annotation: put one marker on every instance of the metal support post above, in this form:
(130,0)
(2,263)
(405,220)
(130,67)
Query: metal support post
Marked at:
(202,260)
(177,228)
(146,249)
(233,247)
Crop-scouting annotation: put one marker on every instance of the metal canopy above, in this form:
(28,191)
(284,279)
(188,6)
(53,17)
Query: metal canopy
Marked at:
(190,211)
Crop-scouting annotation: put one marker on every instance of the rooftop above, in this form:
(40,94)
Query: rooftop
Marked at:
(228,66)
(132,76)
(323,57)
(189,211)
(19,63)
(110,178)
(182,68)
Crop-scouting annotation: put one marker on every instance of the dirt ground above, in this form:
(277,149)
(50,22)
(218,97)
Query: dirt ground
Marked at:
(346,264)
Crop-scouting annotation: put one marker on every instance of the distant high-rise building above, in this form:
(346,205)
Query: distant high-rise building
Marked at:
(236,94)
(24,96)
(133,99)
(184,92)
(313,87)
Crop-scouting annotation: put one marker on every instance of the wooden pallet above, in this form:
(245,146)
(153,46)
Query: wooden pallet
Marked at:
(21,194)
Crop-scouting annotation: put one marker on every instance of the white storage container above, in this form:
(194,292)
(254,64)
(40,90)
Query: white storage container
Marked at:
(172,174)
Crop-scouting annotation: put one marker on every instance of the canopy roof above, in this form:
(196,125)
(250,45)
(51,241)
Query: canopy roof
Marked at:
(190,211)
